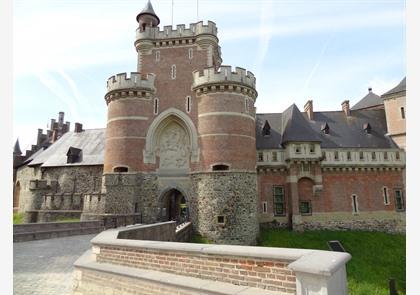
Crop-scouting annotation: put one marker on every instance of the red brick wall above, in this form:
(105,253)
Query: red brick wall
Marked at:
(265,274)
(338,187)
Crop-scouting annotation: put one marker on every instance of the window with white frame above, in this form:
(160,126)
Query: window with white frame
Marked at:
(156,106)
(246,105)
(373,156)
(397,155)
(354,204)
(298,149)
(188,104)
(173,72)
(157,55)
(348,156)
(386,156)
(336,157)
(278,196)
(274,156)
(312,148)
(361,156)
(260,157)
(190,53)
(385,194)
(264,207)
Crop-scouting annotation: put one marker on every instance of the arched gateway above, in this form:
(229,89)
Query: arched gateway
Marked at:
(174,206)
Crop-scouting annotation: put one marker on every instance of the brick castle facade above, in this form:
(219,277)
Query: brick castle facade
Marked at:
(183,141)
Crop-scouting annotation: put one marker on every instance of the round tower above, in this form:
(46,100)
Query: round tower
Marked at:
(130,102)
(226,207)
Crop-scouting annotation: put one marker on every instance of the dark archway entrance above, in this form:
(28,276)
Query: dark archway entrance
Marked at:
(174,207)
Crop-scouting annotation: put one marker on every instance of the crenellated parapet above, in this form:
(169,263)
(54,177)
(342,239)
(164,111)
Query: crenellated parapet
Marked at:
(181,32)
(224,79)
(136,85)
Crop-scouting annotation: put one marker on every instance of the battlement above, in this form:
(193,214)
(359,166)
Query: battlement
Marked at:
(224,75)
(168,32)
(136,81)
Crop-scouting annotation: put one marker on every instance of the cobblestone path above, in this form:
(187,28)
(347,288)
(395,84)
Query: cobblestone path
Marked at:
(45,267)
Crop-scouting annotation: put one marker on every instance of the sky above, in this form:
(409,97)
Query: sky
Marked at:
(325,50)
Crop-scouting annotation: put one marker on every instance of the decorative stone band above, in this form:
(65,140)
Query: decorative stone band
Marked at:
(137,85)
(258,270)
(227,134)
(226,114)
(195,29)
(210,80)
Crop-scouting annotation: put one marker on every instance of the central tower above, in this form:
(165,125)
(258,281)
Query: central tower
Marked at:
(180,138)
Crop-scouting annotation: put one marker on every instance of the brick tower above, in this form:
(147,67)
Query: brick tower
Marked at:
(173,132)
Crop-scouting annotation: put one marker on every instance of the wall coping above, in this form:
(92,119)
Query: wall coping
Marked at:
(313,261)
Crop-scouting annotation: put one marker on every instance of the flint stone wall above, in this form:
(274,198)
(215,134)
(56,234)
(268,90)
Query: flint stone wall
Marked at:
(229,194)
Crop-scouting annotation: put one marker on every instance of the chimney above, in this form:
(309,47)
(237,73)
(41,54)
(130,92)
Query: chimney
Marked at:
(370,89)
(78,127)
(49,133)
(54,135)
(346,107)
(39,137)
(52,124)
(309,109)
(60,118)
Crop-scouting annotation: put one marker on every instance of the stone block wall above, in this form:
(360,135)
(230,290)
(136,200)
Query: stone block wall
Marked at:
(231,195)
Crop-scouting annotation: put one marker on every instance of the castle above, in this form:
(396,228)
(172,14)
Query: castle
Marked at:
(183,141)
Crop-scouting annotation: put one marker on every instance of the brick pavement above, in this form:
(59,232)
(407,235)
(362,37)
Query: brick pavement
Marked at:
(45,267)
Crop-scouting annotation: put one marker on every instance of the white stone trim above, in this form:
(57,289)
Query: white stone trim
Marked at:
(141,118)
(125,137)
(385,191)
(156,106)
(226,134)
(173,72)
(226,114)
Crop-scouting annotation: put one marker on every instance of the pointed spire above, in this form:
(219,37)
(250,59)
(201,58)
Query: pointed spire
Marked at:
(146,13)
(16,149)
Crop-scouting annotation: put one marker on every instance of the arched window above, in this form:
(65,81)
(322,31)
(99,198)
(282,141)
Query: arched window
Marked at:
(120,169)
(220,167)
(156,106)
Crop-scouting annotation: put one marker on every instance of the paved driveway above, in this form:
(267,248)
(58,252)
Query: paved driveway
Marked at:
(45,267)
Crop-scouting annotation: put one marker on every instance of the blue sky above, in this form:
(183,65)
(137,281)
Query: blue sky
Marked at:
(323,50)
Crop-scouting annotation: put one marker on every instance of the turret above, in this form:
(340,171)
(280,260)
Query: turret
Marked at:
(16,149)
(147,17)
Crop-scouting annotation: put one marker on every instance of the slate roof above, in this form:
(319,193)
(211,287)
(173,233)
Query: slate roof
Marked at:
(399,88)
(16,149)
(344,132)
(90,141)
(370,100)
(296,127)
(148,9)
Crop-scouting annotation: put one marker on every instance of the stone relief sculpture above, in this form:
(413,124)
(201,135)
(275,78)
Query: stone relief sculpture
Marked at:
(173,147)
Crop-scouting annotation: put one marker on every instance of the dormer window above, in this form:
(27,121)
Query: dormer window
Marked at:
(325,128)
(74,155)
(367,128)
(298,149)
(266,129)
(312,148)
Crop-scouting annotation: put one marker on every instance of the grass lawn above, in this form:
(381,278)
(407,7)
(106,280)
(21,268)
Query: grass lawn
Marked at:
(196,238)
(376,257)
(17,218)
